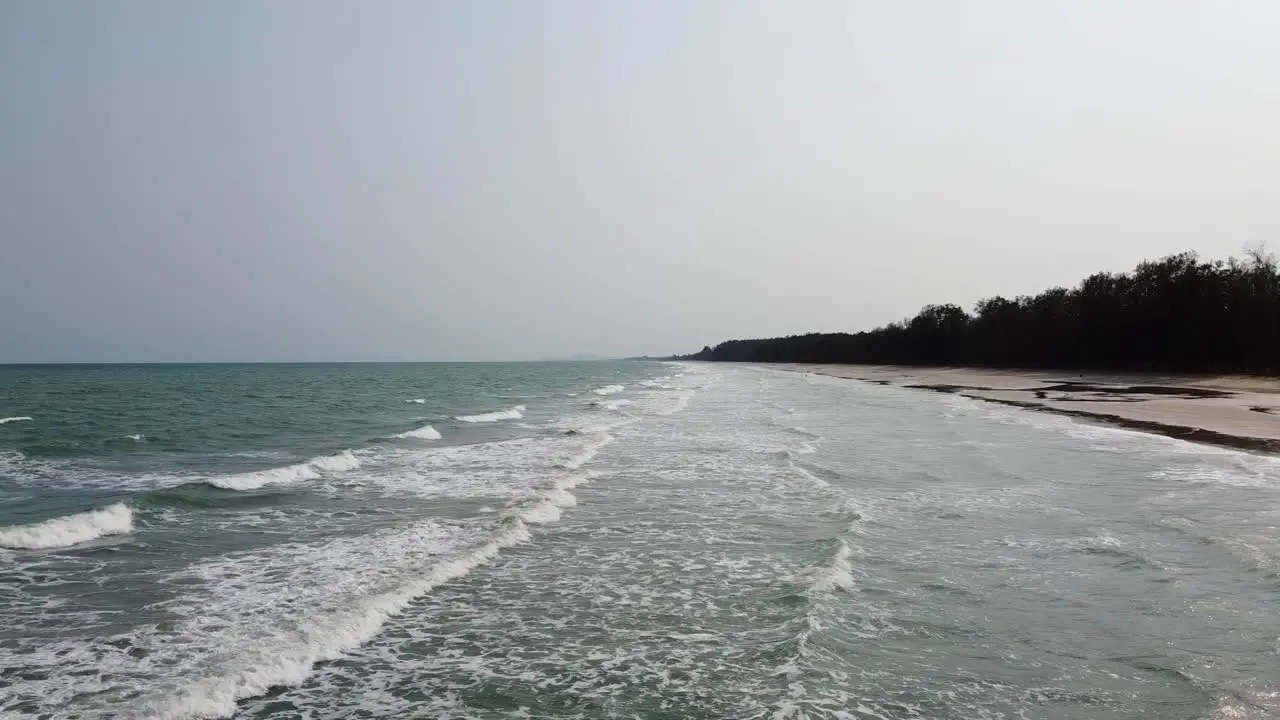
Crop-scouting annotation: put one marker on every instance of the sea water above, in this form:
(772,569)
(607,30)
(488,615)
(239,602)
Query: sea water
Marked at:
(598,540)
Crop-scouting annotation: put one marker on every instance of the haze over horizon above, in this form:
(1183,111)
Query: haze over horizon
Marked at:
(457,181)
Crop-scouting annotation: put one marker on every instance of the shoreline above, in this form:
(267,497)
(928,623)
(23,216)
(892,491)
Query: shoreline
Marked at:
(1238,412)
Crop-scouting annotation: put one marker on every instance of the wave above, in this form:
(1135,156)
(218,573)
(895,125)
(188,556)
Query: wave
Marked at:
(309,470)
(136,437)
(587,453)
(802,432)
(561,497)
(538,513)
(804,472)
(514,413)
(850,511)
(197,496)
(547,507)
(610,404)
(837,575)
(682,401)
(16,418)
(426,432)
(70,530)
(609,390)
(329,635)
(420,401)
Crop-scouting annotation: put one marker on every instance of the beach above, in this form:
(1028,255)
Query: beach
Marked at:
(1229,410)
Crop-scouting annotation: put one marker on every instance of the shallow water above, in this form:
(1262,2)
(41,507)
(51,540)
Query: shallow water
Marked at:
(614,540)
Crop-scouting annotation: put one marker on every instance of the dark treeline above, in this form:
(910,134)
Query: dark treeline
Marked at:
(1178,314)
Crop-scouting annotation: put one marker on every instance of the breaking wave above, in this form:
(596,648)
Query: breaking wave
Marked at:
(340,628)
(589,452)
(285,659)
(609,390)
(514,413)
(17,418)
(610,404)
(310,470)
(70,530)
(837,575)
(426,432)
(681,402)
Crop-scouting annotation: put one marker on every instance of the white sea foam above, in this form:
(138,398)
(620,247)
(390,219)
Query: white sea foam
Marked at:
(596,443)
(695,637)
(342,462)
(808,475)
(514,413)
(610,404)
(310,470)
(70,530)
(562,498)
(18,418)
(838,575)
(136,437)
(609,390)
(538,513)
(420,401)
(335,598)
(681,402)
(574,479)
(250,621)
(426,432)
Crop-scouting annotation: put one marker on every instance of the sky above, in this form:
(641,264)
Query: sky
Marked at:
(430,180)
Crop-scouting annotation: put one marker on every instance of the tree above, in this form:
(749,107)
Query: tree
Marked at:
(1176,314)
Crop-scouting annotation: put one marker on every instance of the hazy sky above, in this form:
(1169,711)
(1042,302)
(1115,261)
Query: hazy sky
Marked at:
(308,180)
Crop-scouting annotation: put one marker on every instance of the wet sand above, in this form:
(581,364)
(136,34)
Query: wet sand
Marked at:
(1234,411)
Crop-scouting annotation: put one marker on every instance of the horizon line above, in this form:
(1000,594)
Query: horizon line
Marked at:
(316,362)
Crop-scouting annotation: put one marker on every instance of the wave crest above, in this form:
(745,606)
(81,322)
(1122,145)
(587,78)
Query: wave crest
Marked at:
(609,390)
(70,530)
(514,413)
(426,432)
(310,470)
(610,404)
(837,575)
(587,454)
(16,418)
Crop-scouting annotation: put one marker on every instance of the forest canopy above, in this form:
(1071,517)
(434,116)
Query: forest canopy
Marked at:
(1177,314)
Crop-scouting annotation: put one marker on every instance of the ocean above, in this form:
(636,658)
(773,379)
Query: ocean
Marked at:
(613,540)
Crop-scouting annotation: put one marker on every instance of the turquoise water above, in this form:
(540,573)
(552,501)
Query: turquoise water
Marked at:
(603,540)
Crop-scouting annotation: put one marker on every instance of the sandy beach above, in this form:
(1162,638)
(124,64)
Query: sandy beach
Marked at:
(1235,411)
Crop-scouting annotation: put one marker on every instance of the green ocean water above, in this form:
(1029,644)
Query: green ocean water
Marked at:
(600,540)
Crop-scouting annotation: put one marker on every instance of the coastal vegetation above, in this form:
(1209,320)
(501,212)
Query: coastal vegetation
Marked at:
(1177,314)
